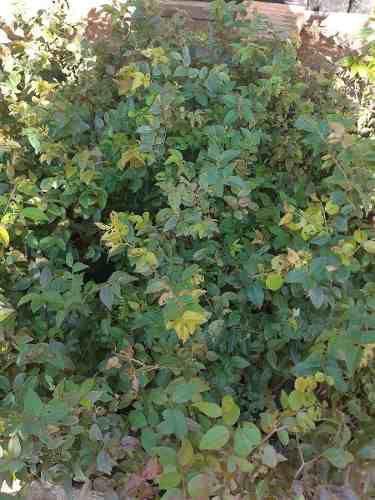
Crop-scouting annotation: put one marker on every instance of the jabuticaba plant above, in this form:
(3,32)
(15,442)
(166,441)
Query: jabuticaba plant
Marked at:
(187,266)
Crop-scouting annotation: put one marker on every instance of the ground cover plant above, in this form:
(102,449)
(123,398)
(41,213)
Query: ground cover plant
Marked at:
(187,263)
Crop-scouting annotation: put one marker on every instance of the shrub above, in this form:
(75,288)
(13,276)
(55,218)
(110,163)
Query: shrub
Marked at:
(359,69)
(187,261)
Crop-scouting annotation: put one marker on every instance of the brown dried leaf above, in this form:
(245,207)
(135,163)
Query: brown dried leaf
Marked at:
(113,362)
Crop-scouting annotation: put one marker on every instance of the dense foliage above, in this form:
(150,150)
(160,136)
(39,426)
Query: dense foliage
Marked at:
(360,70)
(187,262)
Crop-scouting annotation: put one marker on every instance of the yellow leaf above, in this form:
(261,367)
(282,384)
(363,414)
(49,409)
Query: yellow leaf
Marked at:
(186,453)
(129,79)
(274,281)
(115,233)
(301,384)
(369,246)
(140,80)
(231,412)
(87,176)
(70,170)
(132,157)
(4,236)
(332,208)
(360,235)
(189,322)
(157,55)
(279,263)
(286,219)
(294,226)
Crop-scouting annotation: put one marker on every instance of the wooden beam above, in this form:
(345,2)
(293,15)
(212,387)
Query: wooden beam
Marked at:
(287,20)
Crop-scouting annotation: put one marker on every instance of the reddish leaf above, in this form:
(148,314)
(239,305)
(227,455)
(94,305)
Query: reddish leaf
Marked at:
(134,482)
(152,469)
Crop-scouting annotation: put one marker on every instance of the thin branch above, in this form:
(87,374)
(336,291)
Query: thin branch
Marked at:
(270,434)
(303,463)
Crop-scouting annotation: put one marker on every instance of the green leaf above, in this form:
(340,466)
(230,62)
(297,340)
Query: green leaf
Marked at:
(296,276)
(369,246)
(156,286)
(367,452)
(173,494)
(137,419)
(35,214)
(215,439)
(169,480)
(231,117)
(78,267)
(317,297)
(242,464)
(274,281)
(262,489)
(33,406)
(186,59)
(175,423)
(104,462)
(270,457)
(199,487)
(181,71)
(246,438)
(95,433)
(338,457)
(231,412)
(306,123)
(284,400)
(239,362)
(4,384)
(148,439)
(184,392)
(168,456)
(212,410)
(255,294)
(229,155)
(14,447)
(34,138)
(106,296)
(69,259)
(283,437)
(296,400)
(5,313)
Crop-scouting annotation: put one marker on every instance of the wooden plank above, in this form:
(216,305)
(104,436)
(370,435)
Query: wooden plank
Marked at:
(196,10)
(288,20)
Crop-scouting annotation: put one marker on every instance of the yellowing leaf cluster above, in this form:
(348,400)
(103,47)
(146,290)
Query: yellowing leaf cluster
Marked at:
(310,222)
(129,80)
(187,324)
(115,233)
(157,55)
(133,158)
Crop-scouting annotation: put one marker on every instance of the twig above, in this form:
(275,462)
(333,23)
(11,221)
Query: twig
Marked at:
(86,485)
(270,434)
(303,463)
(11,194)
